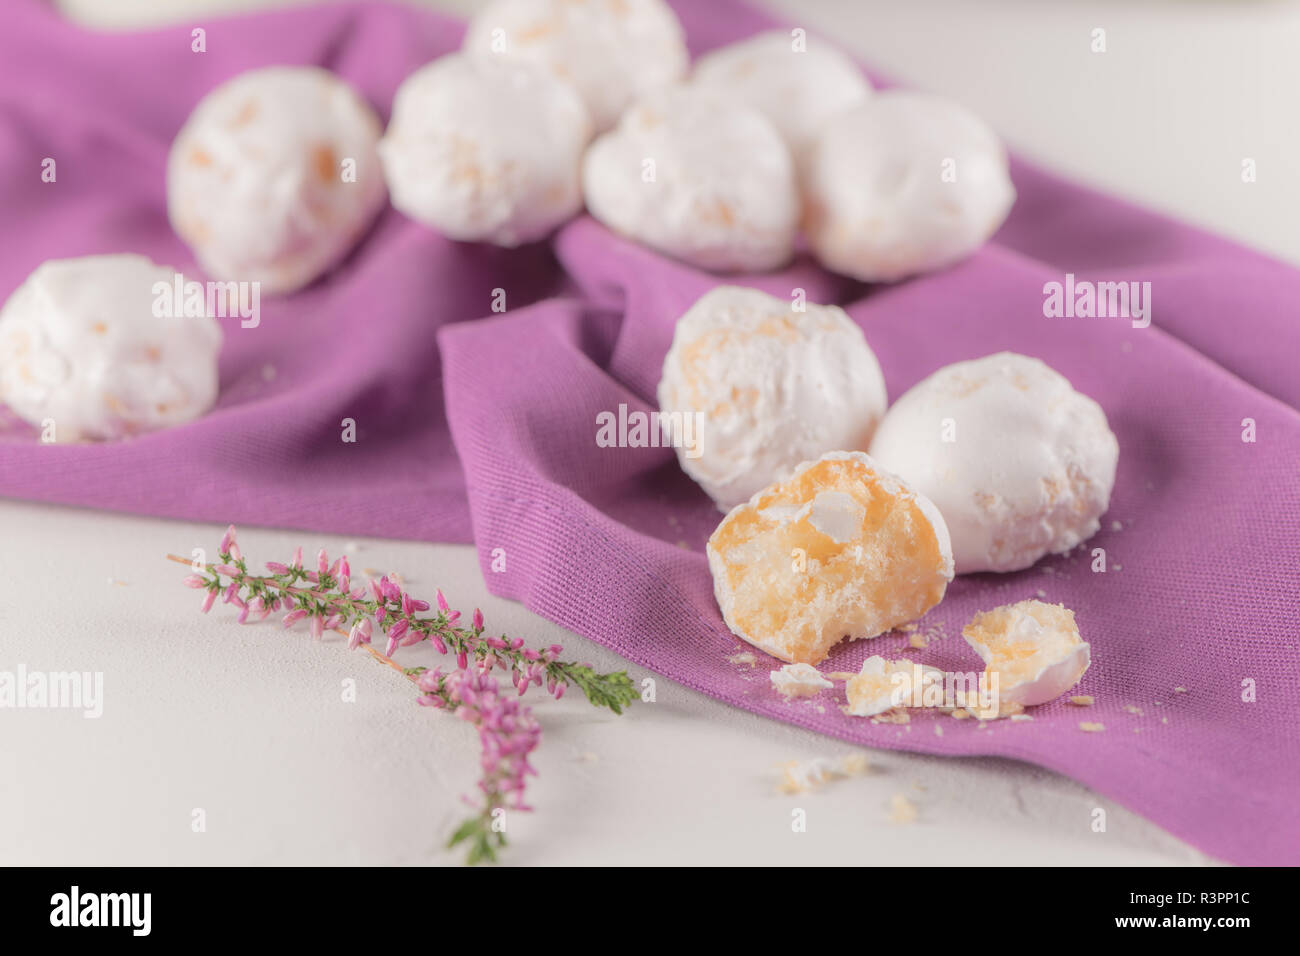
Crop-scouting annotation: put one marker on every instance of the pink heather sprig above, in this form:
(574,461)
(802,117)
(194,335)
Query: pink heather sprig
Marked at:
(508,733)
(328,600)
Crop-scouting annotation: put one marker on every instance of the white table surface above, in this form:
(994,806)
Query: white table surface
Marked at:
(249,724)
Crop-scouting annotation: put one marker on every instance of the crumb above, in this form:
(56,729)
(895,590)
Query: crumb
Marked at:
(960,715)
(743,657)
(919,641)
(268,373)
(1117,567)
(1133,709)
(938,730)
(1180,690)
(855,764)
(1116,526)
(799,680)
(1040,593)
(1092,727)
(901,809)
(839,675)
(1164,720)
(805,776)
(909,628)
(896,716)
(1021,717)
(1082,700)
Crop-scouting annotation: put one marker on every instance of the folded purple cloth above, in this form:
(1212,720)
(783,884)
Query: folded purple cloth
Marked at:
(1195,625)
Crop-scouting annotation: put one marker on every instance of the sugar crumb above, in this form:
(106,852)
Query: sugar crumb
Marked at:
(901,809)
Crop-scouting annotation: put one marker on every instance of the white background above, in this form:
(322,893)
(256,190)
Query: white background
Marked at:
(249,724)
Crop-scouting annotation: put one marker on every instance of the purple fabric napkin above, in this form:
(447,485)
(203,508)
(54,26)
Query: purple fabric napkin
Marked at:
(1201,600)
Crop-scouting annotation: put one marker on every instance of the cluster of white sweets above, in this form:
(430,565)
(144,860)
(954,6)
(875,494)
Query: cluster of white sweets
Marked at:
(845,518)
(279,172)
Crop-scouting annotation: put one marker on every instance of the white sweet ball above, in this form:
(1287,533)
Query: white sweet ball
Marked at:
(798,88)
(80,344)
(697,177)
(774,388)
(1019,463)
(612,51)
(902,184)
(486,149)
(274,176)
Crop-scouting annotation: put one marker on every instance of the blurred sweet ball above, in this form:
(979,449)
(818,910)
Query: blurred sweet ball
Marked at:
(796,82)
(1019,463)
(83,347)
(901,184)
(1034,648)
(774,386)
(611,51)
(274,176)
(486,149)
(840,549)
(697,177)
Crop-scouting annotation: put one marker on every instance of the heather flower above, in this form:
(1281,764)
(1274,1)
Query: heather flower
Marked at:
(507,731)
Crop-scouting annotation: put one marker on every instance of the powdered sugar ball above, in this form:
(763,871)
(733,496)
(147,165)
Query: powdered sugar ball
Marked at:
(486,149)
(773,387)
(274,177)
(1019,463)
(797,83)
(699,178)
(82,344)
(612,51)
(903,183)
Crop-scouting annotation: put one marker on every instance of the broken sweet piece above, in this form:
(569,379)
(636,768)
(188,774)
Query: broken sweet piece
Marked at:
(883,685)
(1034,648)
(729,351)
(840,549)
(799,680)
